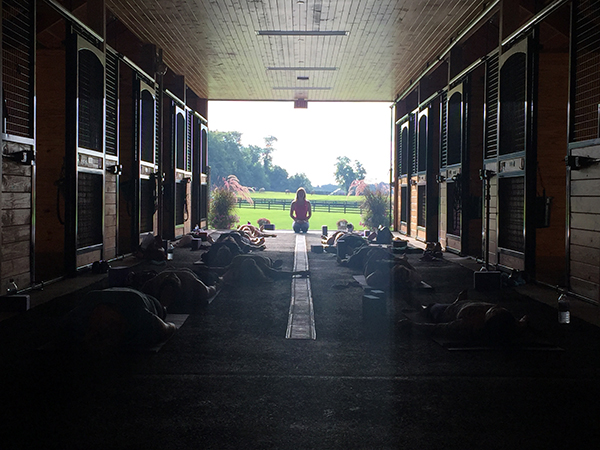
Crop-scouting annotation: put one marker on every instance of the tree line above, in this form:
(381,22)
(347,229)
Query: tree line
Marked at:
(253,165)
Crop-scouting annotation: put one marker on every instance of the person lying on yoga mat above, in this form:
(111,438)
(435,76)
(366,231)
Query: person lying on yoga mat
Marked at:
(254,232)
(466,320)
(179,289)
(254,269)
(116,318)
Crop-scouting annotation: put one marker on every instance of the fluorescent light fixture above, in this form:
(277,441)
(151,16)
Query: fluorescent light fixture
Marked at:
(301,88)
(300,33)
(302,68)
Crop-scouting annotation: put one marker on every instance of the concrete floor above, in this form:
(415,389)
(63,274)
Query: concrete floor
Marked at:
(230,379)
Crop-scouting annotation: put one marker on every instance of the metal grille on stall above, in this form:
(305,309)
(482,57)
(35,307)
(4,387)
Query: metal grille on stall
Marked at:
(511,192)
(90,101)
(404,203)
(491,111)
(17,67)
(586,104)
(413,136)
(112,95)
(454,199)
(147,205)
(422,205)
(90,187)
(403,149)
(444,130)
(455,127)
(180,202)
(421,165)
(513,98)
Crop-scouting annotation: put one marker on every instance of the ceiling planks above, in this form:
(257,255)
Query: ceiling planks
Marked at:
(215,46)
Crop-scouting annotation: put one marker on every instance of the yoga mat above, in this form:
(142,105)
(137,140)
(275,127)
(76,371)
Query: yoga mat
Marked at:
(363,282)
(531,344)
(177,319)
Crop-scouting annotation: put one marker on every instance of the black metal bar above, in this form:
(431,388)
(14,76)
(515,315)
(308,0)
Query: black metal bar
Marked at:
(71,18)
(70,160)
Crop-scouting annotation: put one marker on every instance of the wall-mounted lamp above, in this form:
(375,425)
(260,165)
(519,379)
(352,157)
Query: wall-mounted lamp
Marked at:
(116,169)
(413,182)
(440,178)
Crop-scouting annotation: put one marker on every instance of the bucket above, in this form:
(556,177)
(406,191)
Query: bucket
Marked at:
(196,242)
(117,276)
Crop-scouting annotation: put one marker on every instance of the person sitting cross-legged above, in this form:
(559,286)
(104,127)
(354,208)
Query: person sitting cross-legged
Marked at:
(300,211)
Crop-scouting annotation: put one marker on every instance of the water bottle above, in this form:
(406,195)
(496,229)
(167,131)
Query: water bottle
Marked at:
(564,306)
(170,249)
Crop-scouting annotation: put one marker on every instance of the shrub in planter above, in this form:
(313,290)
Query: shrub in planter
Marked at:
(222,205)
(375,209)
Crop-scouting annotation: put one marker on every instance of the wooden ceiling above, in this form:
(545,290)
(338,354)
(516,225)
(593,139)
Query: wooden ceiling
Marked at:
(215,44)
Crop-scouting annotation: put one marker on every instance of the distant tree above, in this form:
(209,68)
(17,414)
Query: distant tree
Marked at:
(299,180)
(267,152)
(252,165)
(346,173)
(254,174)
(278,178)
(225,154)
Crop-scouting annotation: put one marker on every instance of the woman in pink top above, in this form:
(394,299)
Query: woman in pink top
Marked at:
(300,211)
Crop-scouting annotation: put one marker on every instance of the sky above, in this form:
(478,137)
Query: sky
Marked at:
(310,140)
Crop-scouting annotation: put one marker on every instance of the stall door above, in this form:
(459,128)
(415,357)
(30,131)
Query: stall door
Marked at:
(199,156)
(451,170)
(420,177)
(182,150)
(148,160)
(205,177)
(85,162)
(403,177)
(514,179)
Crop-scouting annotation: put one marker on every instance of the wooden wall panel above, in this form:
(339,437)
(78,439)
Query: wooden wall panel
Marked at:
(110,219)
(414,206)
(16,208)
(443,215)
(584,258)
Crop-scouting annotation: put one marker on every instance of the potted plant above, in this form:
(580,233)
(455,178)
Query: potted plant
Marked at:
(375,208)
(222,204)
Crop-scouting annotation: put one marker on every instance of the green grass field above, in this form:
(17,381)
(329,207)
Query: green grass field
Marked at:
(281,218)
(290,196)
